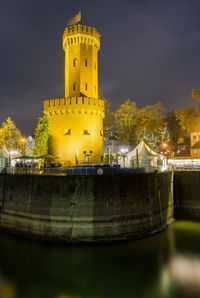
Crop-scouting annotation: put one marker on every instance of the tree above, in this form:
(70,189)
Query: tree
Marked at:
(176,134)
(10,136)
(189,119)
(126,121)
(41,136)
(134,125)
(151,126)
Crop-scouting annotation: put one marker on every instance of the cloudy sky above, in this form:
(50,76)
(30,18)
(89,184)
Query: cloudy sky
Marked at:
(150,52)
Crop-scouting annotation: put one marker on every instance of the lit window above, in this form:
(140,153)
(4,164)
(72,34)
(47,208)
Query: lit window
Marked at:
(86,63)
(74,86)
(195,151)
(74,62)
(194,138)
(86,132)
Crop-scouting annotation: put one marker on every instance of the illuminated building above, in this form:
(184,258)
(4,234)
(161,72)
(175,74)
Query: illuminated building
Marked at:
(195,145)
(76,121)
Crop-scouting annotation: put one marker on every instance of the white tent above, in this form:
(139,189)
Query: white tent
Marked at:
(143,156)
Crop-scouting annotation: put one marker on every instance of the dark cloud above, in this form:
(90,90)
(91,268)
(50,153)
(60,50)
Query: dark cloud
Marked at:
(149,52)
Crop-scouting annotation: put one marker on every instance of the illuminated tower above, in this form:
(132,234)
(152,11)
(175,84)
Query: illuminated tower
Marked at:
(76,121)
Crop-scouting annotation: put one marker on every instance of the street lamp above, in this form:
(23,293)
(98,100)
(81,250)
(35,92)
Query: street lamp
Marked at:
(123,153)
(12,153)
(164,147)
(87,155)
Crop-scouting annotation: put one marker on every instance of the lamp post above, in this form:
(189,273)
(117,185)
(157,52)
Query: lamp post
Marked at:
(123,153)
(87,155)
(12,153)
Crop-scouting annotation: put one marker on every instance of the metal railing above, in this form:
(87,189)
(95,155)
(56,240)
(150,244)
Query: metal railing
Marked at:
(33,171)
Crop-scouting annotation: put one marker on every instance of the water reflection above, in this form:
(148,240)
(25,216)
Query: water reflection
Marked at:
(165,265)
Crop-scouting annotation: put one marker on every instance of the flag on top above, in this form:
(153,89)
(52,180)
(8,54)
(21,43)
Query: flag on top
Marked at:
(75,20)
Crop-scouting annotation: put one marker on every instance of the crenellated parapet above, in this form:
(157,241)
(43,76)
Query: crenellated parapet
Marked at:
(81,34)
(74,105)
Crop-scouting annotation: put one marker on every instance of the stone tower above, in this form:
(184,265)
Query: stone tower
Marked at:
(76,121)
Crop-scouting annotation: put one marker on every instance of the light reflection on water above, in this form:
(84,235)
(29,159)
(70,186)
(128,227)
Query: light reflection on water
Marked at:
(166,265)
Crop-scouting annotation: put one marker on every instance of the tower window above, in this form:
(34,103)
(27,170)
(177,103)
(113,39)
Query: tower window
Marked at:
(86,62)
(67,132)
(74,86)
(86,87)
(74,62)
(86,132)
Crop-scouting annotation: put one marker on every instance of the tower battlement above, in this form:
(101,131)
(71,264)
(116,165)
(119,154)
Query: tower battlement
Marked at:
(81,34)
(74,105)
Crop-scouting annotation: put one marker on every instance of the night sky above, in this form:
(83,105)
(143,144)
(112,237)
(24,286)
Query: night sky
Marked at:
(150,52)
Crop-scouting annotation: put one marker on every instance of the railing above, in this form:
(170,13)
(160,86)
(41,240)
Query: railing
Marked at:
(83,170)
(186,168)
(33,171)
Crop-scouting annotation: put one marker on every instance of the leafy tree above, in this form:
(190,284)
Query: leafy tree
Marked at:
(41,136)
(189,119)
(10,136)
(126,121)
(176,134)
(151,126)
(134,125)
(196,94)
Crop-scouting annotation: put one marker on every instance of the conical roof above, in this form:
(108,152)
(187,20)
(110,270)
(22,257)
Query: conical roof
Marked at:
(143,151)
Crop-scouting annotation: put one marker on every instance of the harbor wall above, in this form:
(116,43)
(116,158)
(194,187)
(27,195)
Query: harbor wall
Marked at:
(187,195)
(86,209)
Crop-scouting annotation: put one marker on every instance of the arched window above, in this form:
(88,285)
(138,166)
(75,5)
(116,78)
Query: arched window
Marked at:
(86,62)
(86,87)
(75,86)
(74,62)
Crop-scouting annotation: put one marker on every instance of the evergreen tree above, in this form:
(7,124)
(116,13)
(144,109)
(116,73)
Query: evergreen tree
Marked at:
(41,136)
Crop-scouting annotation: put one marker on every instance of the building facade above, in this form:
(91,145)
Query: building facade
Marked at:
(76,121)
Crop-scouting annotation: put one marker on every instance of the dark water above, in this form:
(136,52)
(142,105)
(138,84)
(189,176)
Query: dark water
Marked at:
(165,265)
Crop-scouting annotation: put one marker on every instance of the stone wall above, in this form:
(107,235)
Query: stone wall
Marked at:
(82,209)
(187,194)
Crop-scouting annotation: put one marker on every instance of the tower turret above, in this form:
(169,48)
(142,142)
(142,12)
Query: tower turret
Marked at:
(81,45)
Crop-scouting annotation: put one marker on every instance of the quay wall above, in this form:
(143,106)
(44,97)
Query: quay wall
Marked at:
(86,209)
(187,195)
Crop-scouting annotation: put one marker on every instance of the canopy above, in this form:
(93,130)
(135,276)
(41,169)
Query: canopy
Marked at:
(143,151)
(143,155)
(25,157)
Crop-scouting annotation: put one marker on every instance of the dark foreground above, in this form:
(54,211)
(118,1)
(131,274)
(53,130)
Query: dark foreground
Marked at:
(161,266)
